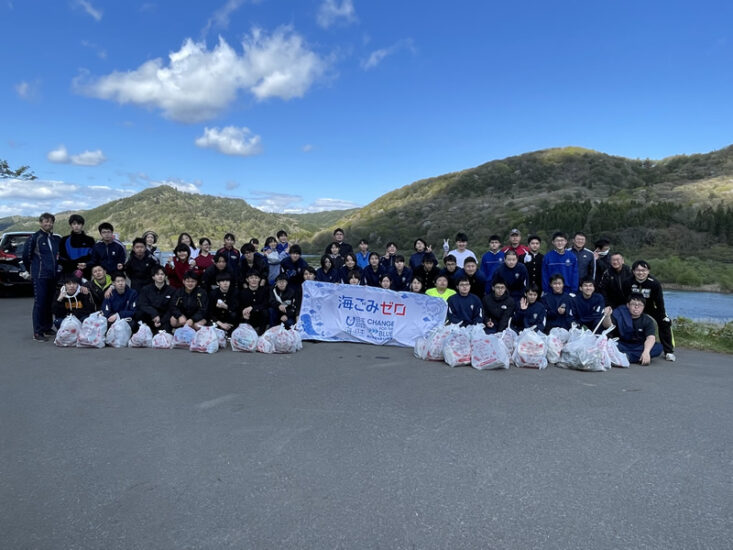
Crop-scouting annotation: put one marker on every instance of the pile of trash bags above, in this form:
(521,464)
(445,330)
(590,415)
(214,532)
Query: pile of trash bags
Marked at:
(93,333)
(577,348)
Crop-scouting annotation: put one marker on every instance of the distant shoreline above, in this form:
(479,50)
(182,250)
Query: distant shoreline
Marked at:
(715,287)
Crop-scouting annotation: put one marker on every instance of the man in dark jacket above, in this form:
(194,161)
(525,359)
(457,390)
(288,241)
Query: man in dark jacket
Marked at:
(75,250)
(100,286)
(498,308)
(338,238)
(139,265)
(40,258)
(283,305)
(252,261)
(109,253)
(122,302)
(224,304)
(71,301)
(586,259)
(190,304)
(254,303)
(615,281)
(464,308)
(154,304)
(532,260)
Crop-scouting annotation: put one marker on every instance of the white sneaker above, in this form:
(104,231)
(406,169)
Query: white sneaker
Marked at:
(670,357)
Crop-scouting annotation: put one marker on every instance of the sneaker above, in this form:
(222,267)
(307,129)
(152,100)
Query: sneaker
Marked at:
(670,357)
(40,338)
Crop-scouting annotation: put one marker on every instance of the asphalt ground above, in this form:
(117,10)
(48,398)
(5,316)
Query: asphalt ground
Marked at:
(355,446)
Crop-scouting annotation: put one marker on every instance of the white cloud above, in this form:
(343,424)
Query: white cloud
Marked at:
(285,203)
(60,155)
(198,84)
(91,10)
(307,148)
(377,56)
(27,198)
(27,90)
(179,184)
(220,18)
(331,11)
(231,140)
(98,50)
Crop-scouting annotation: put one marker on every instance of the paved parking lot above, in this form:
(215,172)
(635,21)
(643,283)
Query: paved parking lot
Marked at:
(355,446)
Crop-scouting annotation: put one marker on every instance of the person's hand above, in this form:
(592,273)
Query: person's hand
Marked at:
(189,322)
(429,248)
(596,254)
(156,320)
(25,275)
(645,358)
(112,318)
(81,266)
(561,309)
(84,290)
(192,262)
(523,303)
(247,311)
(226,326)
(120,267)
(108,292)
(446,245)
(490,323)
(282,308)
(607,311)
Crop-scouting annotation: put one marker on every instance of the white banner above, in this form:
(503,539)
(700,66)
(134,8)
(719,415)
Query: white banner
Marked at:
(352,313)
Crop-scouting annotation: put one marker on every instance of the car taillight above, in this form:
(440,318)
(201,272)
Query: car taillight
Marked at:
(6,256)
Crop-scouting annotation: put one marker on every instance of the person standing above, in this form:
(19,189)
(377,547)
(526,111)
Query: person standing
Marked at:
(40,258)
(75,249)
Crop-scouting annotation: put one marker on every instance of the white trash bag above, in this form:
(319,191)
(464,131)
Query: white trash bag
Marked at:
(205,341)
(119,334)
(143,338)
(244,338)
(222,336)
(457,348)
(162,340)
(68,333)
(183,336)
(557,338)
(509,339)
(430,348)
(616,356)
(92,331)
(531,350)
(278,339)
(488,352)
(585,351)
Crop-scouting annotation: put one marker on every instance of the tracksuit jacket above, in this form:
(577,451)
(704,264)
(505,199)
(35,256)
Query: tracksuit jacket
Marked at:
(589,311)
(193,305)
(465,310)
(565,264)
(154,301)
(40,255)
(108,255)
(401,281)
(515,279)
(533,316)
(533,263)
(586,264)
(490,262)
(76,248)
(124,305)
(552,302)
(499,310)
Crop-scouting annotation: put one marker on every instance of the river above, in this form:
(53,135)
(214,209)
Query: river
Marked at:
(699,306)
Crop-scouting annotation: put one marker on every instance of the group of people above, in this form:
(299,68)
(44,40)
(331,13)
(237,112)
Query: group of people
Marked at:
(515,285)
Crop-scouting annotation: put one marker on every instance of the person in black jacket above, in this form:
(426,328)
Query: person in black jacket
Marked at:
(221,265)
(498,308)
(254,303)
(190,304)
(154,303)
(283,304)
(71,301)
(139,266)
(344,248)
(615,281)
(428,271)
(251,261)
(532,260)
(224,304)
(75,250)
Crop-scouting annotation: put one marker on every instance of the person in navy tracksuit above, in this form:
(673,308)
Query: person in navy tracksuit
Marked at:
(40,258)
(560,261)
(109,253)
(560,305)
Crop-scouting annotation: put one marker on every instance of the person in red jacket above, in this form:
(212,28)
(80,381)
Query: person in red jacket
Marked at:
(177,266)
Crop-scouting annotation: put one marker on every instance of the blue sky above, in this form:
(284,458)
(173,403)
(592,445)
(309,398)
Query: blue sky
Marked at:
(314,104)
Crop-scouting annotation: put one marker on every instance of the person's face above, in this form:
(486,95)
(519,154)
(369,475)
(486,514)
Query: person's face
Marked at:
(71,287)
(47,224)
(363,247)
(250,256)
(636,308)
(338,236)
(617,261)
(221,264)
(391,250)
(185,239)
(510,260)
(294,256)
(281,284)
(464,288)
(416,285)
(514,238)
(190,283)
(159,277)
(450,266)
(107,235)
(470,268)
(557,286)
(499,289)
(253,281)
(559,243)
(534,245)
(461,245)
(309,276)
(428,265)
(385,282)
(373,261)
(641,273)
(531,297)
(149,239)
(354,281)
(399,266)
(139,250)
(327,264)
(283,238)
(494,245)
(182,255)
(419,246)
(349,262)
(587,289)
(224,286)
(334,249)
(206,246)
(76,227)
(98,273)
(120,284)
(441,283)
(579,241)
(228,242)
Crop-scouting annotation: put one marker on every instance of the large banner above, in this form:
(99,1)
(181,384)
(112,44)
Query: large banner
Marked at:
(352,313)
